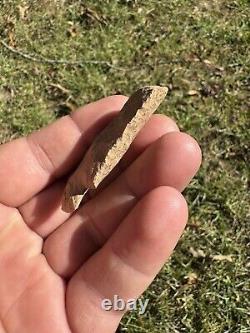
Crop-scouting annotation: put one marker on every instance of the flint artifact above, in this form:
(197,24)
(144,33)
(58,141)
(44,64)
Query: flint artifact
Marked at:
(111,144)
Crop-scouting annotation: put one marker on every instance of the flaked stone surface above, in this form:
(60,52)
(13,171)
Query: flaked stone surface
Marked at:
(111,144)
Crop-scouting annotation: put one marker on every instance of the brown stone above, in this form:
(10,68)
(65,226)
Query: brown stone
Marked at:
(111,144)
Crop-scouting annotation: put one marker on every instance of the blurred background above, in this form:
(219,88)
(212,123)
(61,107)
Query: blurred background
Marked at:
(58,55)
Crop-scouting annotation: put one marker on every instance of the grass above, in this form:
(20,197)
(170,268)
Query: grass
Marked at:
(200,50)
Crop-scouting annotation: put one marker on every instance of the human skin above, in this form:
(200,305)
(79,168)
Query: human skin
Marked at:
(56,267)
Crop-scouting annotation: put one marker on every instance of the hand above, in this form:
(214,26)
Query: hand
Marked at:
(55,269)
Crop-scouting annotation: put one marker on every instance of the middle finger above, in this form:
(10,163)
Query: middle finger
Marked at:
(171,161)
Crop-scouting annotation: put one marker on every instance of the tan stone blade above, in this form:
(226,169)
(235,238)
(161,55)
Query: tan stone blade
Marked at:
(111,144)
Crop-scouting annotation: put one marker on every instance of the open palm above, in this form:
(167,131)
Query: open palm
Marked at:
(56,268)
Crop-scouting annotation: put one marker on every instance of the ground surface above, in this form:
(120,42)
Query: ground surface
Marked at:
(200,50)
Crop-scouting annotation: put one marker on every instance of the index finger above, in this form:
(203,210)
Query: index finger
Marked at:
(29,164)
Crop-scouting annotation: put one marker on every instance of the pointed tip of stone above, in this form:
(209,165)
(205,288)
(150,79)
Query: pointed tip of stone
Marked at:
(72,202)
(159,89)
